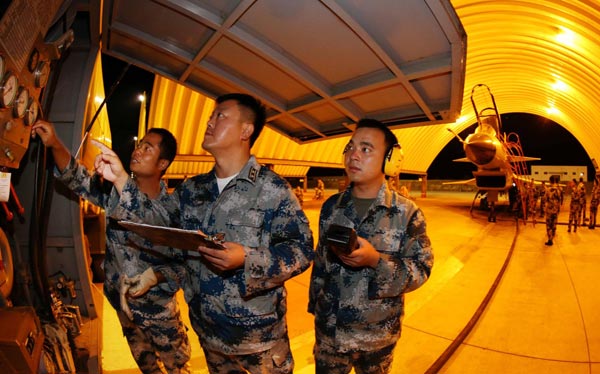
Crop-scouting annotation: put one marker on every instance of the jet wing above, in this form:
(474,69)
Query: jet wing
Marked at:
(464,159)
(468,181)
(513,159)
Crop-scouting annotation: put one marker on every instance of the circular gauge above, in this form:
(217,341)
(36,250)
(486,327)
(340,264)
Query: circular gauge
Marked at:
(20,107)
(33,110)
(8,90)
(41,73)
(34,58)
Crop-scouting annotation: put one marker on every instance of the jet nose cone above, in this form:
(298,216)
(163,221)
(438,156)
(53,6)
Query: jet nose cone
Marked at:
(480,149)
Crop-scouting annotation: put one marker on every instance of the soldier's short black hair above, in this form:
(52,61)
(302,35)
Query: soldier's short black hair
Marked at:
(390,138)
(251,108)
(168,144)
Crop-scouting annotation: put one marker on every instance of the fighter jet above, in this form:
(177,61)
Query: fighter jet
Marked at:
(498,156)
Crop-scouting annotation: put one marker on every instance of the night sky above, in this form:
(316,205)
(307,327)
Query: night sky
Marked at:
(539,136)
(123,106)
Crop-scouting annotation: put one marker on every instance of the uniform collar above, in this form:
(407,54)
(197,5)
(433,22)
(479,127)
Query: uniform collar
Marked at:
(384,196)
(248,173)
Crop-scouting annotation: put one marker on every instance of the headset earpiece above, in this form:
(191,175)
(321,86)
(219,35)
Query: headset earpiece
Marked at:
(392,162)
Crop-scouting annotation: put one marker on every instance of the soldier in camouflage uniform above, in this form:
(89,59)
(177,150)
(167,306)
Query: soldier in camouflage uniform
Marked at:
(236,295)
(582,201)
(531,201)
(594,199)
(358,298)
(542,193)
(552,202)
(152,325)
(574,206)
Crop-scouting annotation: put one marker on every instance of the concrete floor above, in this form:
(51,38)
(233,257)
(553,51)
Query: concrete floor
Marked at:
(543,317)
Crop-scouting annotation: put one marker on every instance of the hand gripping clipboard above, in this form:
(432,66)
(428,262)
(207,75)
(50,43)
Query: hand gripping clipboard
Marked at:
(173,237)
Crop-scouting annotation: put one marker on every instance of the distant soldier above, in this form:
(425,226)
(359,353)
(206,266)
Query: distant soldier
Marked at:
(595,198)
(319,189)
(542,193)
(552,202)
(582,201)
(299,194)
(575,206)
(531,201)
(404,191)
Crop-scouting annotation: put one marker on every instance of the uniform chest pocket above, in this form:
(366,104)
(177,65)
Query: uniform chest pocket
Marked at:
(248,226)
(387,240)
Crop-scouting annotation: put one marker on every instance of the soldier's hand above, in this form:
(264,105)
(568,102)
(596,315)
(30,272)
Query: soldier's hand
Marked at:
(123,289)
(109,166)
(364,255)
(231,257)
(141,283)
(45,130)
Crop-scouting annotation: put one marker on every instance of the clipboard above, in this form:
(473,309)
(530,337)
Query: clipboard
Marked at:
(174,237)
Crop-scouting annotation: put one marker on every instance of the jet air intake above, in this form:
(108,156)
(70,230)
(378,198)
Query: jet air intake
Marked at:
(492,180)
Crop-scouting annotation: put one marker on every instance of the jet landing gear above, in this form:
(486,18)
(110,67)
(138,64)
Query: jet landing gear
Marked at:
(492,215)
(487,202)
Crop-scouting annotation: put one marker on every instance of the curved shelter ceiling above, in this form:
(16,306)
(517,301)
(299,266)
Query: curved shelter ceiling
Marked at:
(539,56)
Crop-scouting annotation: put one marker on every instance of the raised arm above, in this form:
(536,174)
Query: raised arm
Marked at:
(47,134)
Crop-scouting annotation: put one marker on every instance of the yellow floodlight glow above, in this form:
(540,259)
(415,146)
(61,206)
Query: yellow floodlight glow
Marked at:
(551,110)
(560,86)
(461,119)
(565,37)
(98,100)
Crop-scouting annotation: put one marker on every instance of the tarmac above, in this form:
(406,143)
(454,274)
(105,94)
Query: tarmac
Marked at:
(498,299)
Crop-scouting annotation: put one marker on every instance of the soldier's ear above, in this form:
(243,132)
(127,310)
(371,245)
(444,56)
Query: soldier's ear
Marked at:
(163,164)
(247,130)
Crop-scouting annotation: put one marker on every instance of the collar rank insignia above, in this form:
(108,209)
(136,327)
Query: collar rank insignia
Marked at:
(252,174)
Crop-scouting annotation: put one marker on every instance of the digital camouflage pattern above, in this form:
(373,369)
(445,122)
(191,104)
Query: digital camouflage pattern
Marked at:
(582,202)
(574,208)
(241,311)
(361,309)
(157,327)
(594,200)
(329,361)
(552,201)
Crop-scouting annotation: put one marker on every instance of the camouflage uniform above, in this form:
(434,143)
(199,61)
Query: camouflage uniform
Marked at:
(542,193)
(582,202)
(552,201)
(156,329)
(574,208)
(595,198)
(358,311)
(239,314)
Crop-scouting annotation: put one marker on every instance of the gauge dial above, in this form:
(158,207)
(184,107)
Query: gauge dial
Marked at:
(20,107)
(33,110)
(8,90)
(34,58)
(41,74)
